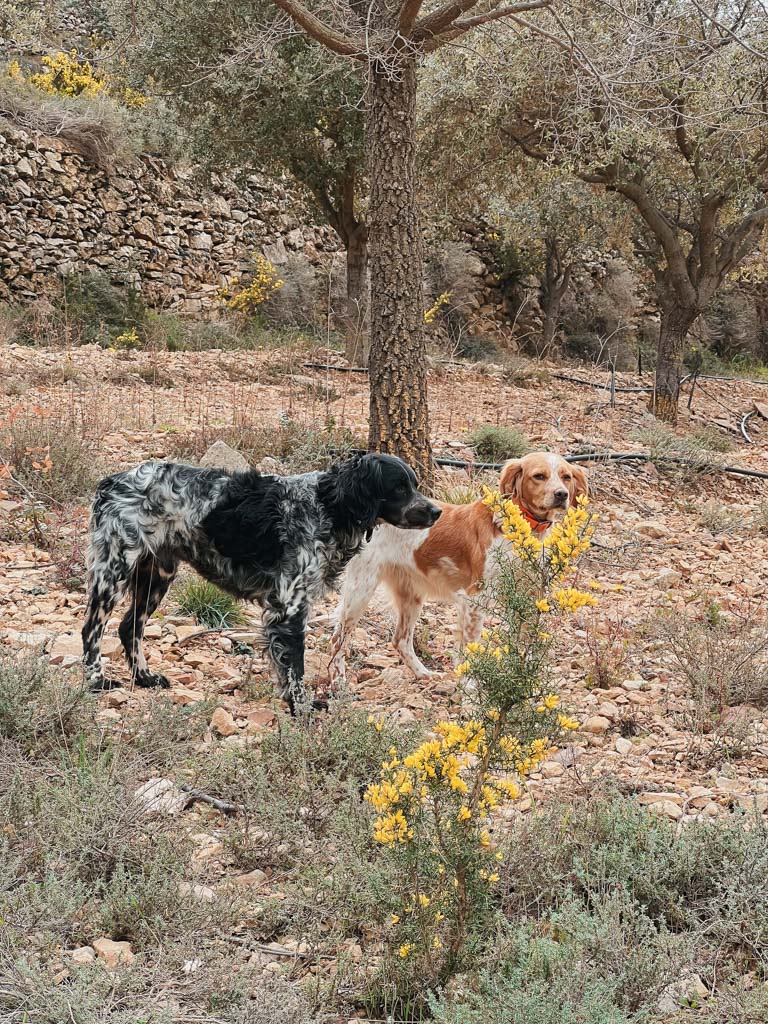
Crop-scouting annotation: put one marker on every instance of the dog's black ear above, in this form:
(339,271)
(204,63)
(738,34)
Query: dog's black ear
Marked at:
(352,493)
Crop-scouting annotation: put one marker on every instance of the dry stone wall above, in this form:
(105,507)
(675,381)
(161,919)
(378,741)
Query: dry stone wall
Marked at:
(146,224)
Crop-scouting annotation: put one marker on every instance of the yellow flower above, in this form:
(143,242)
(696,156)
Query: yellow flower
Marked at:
(543,605)
(405,950)
(395,919)
(424,900)
(567,723)
(437,943)
(464,813)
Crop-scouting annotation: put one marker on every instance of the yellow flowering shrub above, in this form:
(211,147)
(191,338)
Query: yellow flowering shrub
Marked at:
(65,74)
(436,807)
(440,301)
(263,284)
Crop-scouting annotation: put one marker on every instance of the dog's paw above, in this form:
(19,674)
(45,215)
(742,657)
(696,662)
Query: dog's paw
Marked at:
(151,680)
(101,684)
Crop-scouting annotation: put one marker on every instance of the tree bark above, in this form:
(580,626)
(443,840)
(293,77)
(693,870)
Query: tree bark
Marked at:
(673,331)
(357,296)
(554,285)
(399,416)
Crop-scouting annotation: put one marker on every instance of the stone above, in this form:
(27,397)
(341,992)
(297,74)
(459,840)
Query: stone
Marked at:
(222,722)
(114,954)
(596,724)
(551,770)
(268,466)
(83,955)
(221,456)
(667,808)
(255,877)
(200,892)
(651,528)
(403,717)
(161,796)
(67,650)
(623,746)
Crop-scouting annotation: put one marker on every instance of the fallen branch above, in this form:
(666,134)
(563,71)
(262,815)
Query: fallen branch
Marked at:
(205,798)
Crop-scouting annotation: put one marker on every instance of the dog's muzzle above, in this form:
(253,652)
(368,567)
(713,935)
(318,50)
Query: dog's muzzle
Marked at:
(421,515)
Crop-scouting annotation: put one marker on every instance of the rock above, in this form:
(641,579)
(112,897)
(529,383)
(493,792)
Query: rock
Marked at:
(651,528)
(668,577)
(623,746)
(221,456)
(268,466)
(200,892)
(83,955)
(402,717)
(654,798)
(114,954)
(551,770)
(596,725)
(255,877)
(161,796)
(222,722)
(668,808)
(67,650)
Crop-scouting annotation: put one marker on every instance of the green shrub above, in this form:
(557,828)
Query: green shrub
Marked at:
(39,706)
(496,444)
(209,605)
(100,311)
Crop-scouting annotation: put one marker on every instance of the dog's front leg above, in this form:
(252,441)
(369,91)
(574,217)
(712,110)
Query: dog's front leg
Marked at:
(284,630)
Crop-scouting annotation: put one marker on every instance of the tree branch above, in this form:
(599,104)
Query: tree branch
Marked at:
(442,19)
(409,12)
(319,31)
(462,25)
(741,240)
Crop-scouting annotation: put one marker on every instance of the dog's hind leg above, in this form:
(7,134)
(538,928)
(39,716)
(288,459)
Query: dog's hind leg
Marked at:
(284,630)
(149,582)
(106,587)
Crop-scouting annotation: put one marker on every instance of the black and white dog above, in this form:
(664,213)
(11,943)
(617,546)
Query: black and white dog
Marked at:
(281,541)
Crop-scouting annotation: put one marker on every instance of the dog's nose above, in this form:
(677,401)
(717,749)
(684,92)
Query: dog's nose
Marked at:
(560,496)
(435,513)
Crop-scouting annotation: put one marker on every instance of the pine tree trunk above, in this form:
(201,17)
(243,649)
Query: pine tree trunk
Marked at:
(357,296)
(673,331)
(399,416)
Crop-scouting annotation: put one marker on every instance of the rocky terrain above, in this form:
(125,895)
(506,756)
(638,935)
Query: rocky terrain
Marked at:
(693,546)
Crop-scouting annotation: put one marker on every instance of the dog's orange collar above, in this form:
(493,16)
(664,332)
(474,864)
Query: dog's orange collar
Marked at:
(537,525)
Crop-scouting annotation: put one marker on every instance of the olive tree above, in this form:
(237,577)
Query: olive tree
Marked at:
(253,98)
(389,40)
(664,106)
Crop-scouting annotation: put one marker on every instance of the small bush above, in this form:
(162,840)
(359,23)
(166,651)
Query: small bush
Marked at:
(297,447)
(524,373)
(209,605)
(39,707)
(496,444)
(48,455)
(687,456)
(99,311)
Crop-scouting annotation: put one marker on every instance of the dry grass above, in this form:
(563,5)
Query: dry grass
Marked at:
(95,128)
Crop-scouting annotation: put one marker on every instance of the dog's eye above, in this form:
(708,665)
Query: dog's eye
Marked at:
(567,479)
(539,476)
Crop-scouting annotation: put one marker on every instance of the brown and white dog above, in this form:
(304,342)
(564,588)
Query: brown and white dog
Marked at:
(448,562)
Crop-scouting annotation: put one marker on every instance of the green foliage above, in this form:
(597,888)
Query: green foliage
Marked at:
(302,105)
(99,310)
(209,605)
(40,707)
(496,444)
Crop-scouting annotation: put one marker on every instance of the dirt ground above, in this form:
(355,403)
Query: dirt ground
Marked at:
(696,546)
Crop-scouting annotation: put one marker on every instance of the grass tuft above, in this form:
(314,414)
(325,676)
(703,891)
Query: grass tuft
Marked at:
(496,444)
(209,605)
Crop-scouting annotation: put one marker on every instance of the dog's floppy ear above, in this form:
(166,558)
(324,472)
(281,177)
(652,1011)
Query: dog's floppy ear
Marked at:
(357,492)
(511,478)
(579,485)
